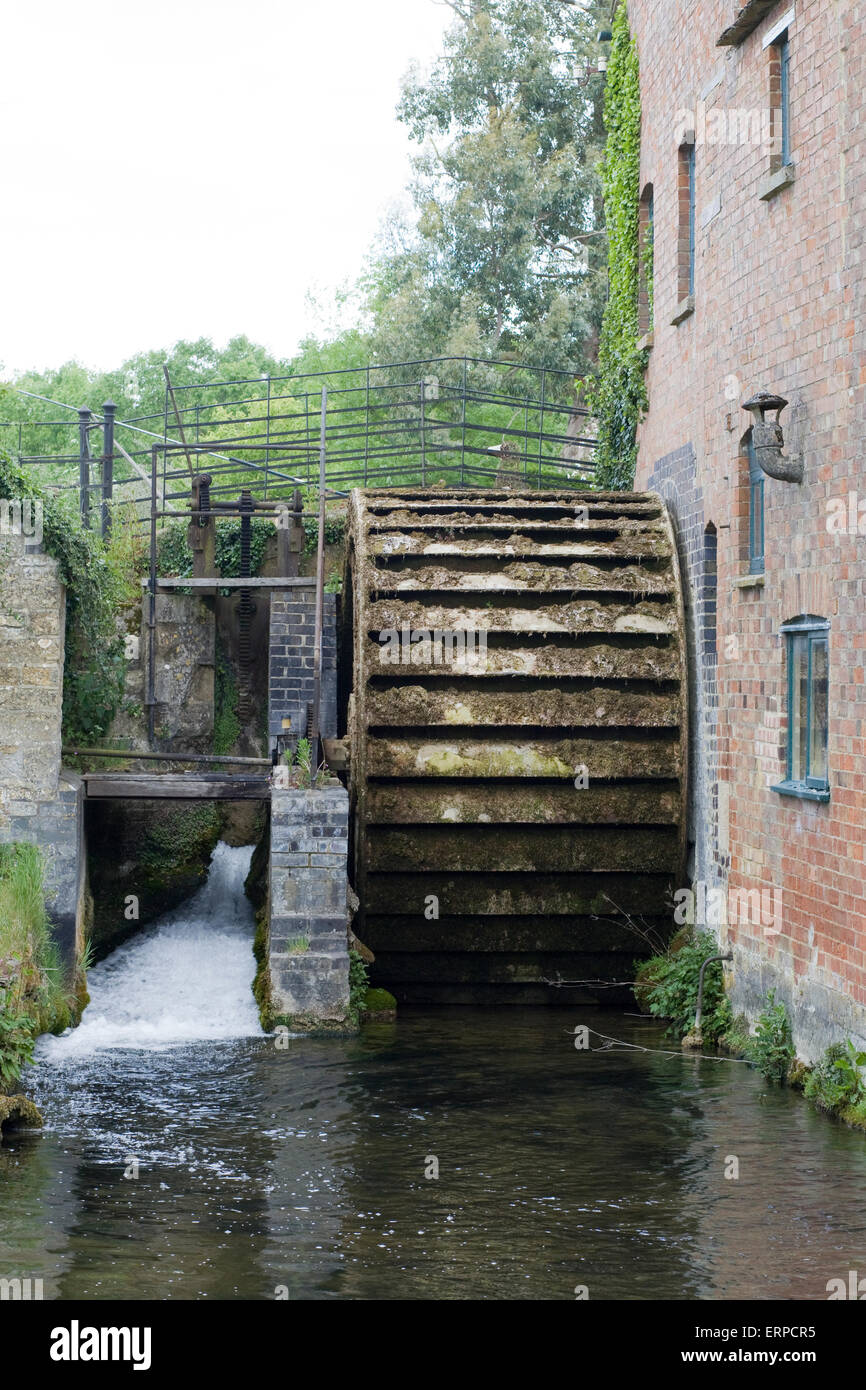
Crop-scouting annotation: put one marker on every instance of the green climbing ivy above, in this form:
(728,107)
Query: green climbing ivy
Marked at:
(94,667)
(228,545)
(617,395)
(174,554)
(227,726)
(335,531)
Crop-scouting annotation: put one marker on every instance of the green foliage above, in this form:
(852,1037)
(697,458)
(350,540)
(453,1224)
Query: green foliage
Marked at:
(306,774)
(17,1041)
(506,185)
(359,981)
(617,395)
(94,668)
(174,554)
(772,1049)
(341,350)
(335,532)
(180,836)
(836,1083)
(737,1040)
(127,555)
(668,987)
(228,545)
(33,998)
(226,725)
(379,1001)
(137,387)
(173,551)
(304,756)
(848,1065)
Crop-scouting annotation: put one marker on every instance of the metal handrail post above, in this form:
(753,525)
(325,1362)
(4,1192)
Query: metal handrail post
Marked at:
(320,589)
(150,698)
(84,418)
(109,411)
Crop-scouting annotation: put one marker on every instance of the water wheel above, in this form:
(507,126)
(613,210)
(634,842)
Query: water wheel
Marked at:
(518,802)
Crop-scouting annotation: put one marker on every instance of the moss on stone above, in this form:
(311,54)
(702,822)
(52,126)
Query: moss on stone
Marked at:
(854,1116)
(441,761)
(302,1023)
(379,1005)
(736,1041)
(17,1112)
(262,981)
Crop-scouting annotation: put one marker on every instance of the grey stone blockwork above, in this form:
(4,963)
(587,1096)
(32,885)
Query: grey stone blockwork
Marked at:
(183,669)
(291,675)
(37,805)
(308,949)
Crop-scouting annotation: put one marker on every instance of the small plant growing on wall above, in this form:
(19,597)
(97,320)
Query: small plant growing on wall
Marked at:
(836,1083)
(849,1065)
(299,770)
(772,1049)
(667,986)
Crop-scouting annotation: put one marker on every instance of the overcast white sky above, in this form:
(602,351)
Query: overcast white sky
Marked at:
(177,168)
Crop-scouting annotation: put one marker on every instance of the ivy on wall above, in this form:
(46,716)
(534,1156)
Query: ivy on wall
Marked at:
(174,553)
(617,395)
(94,667)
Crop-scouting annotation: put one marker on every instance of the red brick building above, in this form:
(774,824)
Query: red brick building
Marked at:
(753,179)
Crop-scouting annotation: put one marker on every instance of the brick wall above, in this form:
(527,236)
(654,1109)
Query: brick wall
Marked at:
(290,690)
(778,305)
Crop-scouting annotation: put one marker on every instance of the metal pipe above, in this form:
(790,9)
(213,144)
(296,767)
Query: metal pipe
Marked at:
(729,955)
(84,465)
(151,617)
(163,757)
(423,441)
(180,430)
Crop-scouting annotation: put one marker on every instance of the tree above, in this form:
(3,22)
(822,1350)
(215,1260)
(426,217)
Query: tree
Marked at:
(503,258)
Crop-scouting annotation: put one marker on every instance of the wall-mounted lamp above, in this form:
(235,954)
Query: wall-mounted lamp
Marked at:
(583,75)
(768,439)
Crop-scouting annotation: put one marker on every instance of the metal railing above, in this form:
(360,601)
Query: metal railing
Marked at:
(462,421)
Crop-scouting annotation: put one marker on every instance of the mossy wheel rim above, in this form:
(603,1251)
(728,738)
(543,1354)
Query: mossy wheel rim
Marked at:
(464,774)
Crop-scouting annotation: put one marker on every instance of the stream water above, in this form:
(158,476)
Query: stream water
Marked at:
(187,1156)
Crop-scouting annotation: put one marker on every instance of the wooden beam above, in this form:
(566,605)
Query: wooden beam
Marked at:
(174,786)
(748,18)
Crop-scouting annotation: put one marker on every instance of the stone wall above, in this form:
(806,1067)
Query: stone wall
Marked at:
(32,624)
(184,671)
(308,948)
(38,805)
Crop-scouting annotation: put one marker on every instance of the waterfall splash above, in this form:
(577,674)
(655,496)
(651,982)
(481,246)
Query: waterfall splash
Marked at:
(186,978)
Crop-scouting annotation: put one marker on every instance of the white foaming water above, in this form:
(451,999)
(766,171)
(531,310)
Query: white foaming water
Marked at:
(187,978)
